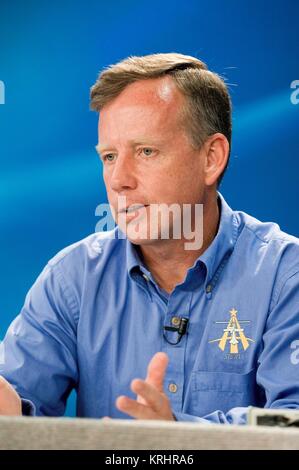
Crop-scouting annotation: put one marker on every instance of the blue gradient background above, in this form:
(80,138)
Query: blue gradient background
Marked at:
(50,55)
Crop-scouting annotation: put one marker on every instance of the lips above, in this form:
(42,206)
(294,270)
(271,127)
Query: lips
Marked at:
(132,208)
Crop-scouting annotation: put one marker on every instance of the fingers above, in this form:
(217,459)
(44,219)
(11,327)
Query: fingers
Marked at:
(135,409)
(150,395)
(10,402)
(154,404)
(156,370)
(151,401)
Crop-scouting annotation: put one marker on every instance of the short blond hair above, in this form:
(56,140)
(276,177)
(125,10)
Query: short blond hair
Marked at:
(208,104)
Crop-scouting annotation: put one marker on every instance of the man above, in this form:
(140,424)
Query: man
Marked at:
(215,323)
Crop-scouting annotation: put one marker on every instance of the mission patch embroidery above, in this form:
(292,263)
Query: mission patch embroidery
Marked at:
(233,334)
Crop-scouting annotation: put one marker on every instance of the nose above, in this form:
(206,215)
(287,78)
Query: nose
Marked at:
(122,176)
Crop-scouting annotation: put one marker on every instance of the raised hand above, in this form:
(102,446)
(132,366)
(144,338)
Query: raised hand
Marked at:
(151,402)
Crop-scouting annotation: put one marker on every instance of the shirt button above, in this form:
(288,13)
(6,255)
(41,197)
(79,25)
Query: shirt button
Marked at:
(172,388)
(209,288)
(146,277)
(175,321)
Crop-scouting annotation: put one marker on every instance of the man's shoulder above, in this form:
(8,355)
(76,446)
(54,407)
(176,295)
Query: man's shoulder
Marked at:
(266,232)
(93,247)
(270,242)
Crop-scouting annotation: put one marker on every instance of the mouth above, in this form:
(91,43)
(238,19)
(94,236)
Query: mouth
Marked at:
(132,208)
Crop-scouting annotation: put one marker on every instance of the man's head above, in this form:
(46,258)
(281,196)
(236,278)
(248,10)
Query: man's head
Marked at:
(164,129)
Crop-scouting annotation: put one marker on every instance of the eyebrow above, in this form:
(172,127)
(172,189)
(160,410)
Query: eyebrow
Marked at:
(142,141)
(101,148)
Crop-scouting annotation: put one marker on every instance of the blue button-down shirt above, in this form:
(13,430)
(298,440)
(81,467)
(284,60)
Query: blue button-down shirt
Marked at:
(96,316)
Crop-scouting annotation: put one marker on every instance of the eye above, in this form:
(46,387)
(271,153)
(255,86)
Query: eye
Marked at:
(147,151)
(109,157)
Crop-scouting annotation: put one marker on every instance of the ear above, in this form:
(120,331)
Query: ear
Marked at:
(216,156)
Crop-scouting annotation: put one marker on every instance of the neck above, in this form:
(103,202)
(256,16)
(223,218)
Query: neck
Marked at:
(169,261)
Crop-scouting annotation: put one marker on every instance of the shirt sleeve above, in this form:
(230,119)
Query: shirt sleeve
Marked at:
(278,362)
(234,416)
(277,372)
(39,349)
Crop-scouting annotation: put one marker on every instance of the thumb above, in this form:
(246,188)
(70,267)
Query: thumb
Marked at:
(156,370)
(10,402)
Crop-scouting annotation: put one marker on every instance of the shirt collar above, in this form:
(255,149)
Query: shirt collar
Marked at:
(133,258)
(218,253)
(213,259)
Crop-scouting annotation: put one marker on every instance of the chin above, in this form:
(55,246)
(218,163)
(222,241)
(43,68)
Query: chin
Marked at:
(142,241)
(140,234)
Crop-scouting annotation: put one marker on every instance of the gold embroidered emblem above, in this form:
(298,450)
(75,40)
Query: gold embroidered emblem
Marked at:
(233,334)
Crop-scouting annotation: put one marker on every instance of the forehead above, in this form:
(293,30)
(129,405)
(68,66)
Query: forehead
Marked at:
(151,103)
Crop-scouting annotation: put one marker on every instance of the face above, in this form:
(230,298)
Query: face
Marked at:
(147,155)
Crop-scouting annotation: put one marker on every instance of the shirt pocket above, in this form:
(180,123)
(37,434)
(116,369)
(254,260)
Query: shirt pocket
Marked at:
(222,391)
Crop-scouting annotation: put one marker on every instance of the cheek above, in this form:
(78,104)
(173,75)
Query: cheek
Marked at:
(107,178)
(184,174)
(171,179)
(109,191)
(188,181)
